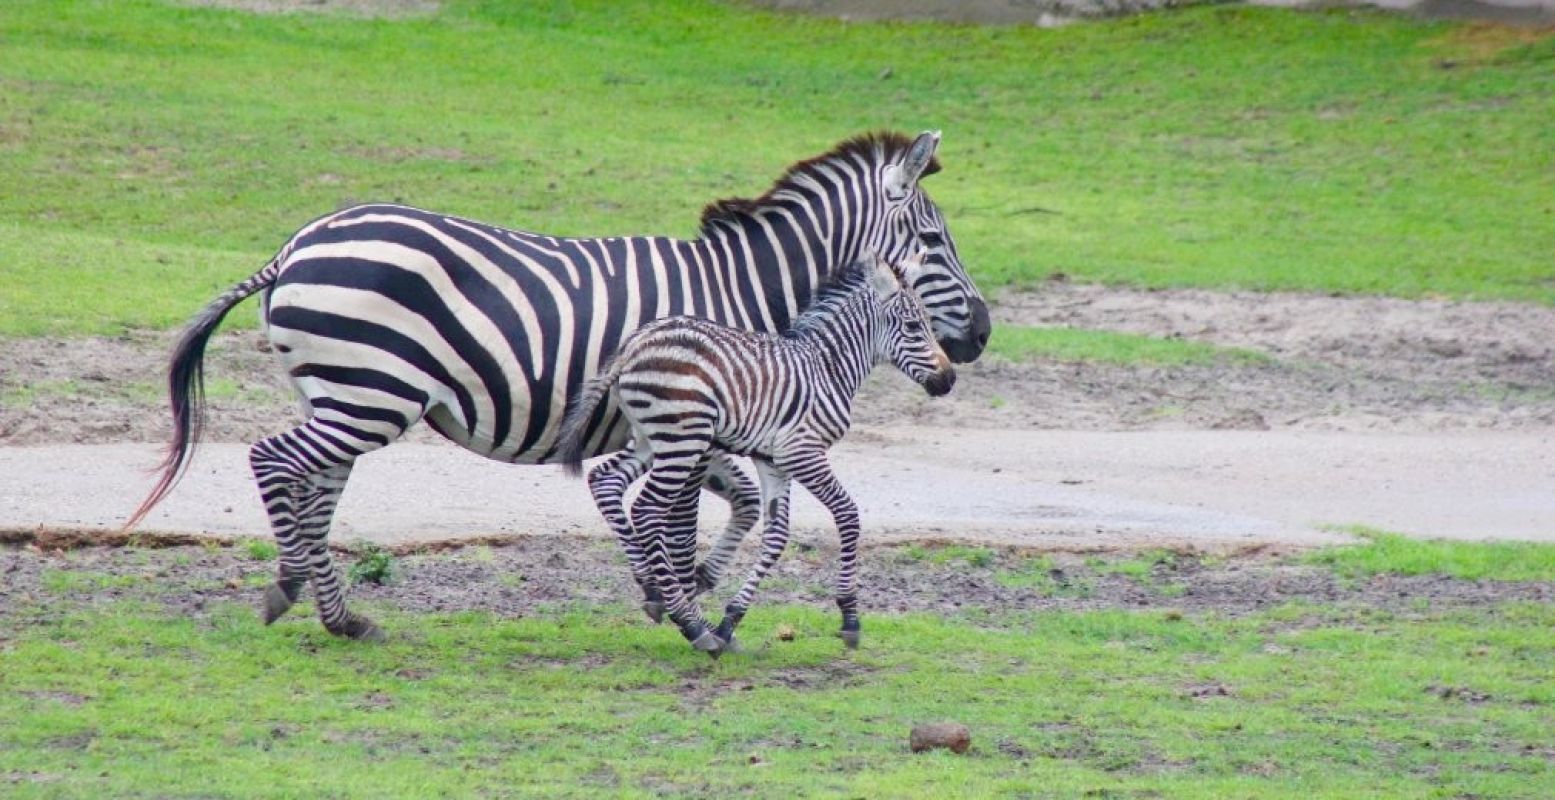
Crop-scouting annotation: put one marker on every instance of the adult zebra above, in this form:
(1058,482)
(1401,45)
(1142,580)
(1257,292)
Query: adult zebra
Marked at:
(385,315)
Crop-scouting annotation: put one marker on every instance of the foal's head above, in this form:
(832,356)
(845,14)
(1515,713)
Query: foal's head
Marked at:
(907,339)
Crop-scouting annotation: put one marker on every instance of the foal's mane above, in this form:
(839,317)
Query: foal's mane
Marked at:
(878,146)
(838,288)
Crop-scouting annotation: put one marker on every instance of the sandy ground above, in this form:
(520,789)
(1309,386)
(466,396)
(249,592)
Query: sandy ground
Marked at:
(1428,417)
(1337,364)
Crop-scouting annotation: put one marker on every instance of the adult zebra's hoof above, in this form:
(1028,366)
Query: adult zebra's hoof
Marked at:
(849,639)
(655,610)
(279,598)
(360,628)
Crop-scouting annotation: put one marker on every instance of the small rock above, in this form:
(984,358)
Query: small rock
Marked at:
(785,632)
(952,736)
(234,583)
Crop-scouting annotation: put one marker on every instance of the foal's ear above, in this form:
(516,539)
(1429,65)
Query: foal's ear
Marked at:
(883,279)
(912,269)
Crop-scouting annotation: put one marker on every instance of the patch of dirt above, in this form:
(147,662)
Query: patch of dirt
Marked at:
(539,575)
(1335,363)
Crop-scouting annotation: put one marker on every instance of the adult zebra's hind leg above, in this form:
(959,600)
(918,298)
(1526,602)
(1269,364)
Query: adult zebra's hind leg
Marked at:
(312,510)
(301,474)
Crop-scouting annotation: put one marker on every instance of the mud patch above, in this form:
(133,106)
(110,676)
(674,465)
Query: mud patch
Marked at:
(546,575)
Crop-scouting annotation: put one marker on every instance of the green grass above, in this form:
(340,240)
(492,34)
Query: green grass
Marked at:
(1384,552)
(1308,702)
(1021,342)
(264,551)
(155,152)
(971,555)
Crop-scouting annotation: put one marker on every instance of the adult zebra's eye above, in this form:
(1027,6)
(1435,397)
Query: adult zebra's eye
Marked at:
(931,238)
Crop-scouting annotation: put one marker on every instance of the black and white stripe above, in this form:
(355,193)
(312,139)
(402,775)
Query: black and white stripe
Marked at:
(387,315)
(691,387)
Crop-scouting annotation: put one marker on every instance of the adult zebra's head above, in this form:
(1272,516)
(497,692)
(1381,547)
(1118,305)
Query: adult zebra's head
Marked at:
(914,223)
(860,197)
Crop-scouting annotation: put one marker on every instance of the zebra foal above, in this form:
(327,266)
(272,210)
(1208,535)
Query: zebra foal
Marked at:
(691,388)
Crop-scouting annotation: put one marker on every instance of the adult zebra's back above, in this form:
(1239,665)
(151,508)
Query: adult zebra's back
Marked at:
(386,315)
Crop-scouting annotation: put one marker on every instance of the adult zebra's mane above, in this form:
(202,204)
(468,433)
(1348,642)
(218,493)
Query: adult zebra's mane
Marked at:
(878,146)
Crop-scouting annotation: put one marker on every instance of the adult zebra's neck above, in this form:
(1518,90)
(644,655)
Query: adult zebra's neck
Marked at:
(787,245)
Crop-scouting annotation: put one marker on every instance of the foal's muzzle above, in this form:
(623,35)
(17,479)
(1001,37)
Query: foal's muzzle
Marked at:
(940,383)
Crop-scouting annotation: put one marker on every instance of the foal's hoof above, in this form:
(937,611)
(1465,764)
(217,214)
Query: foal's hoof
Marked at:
(360,628)
(849,639)
(709,643)
(277,601)
(655,610)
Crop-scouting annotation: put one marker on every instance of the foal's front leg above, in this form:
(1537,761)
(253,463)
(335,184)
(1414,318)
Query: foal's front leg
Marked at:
(814,473)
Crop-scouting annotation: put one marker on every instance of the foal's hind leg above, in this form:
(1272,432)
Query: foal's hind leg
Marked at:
(608,483)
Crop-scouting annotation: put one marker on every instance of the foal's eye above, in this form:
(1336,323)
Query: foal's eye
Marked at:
(913,326)
(931,238)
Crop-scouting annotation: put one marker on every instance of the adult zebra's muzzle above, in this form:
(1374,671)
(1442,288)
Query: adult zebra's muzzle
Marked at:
(940,383)
(967,347)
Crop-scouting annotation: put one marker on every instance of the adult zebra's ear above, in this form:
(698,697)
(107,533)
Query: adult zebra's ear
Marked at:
(901,178)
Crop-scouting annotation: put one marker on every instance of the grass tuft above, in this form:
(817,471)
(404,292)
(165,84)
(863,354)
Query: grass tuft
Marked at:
(373,564)
(1383,552)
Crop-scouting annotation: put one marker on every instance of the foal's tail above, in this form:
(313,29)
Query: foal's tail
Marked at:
(186,384)
(575,427)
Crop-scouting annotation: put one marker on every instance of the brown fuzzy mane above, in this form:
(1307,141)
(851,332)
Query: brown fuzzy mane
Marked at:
(886,145)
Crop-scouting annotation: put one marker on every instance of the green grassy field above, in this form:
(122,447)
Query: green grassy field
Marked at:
(121,697)
(152,153)
(1017,342)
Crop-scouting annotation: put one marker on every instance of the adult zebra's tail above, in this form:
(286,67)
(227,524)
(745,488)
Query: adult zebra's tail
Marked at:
(186,385)
(575,426)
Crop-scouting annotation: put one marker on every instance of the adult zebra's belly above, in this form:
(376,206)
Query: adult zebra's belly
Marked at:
(442,420)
